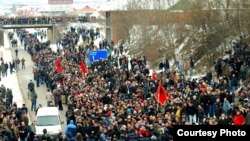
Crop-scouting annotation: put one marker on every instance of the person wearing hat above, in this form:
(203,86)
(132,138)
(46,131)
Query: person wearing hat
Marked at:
(70,131)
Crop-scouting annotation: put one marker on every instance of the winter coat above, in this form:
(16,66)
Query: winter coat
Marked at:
(191,110)
(25,133)
(70,130)
(31,86)
(57,96)
(33,96)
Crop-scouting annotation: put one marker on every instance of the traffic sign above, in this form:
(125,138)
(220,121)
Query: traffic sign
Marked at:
(97,55)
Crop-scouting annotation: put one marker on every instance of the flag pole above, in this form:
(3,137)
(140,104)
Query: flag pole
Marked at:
(158,103)
(158,97)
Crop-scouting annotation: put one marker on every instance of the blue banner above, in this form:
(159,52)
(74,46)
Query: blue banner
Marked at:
(97,55)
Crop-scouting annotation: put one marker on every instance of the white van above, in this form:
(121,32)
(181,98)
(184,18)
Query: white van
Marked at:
(48,118)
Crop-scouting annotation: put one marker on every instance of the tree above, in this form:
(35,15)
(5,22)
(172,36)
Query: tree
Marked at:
(211,21)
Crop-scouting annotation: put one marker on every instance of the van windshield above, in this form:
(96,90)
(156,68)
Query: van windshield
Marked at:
(47,120)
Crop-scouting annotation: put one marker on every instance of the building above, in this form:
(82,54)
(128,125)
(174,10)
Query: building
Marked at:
(83,11)
(120,18)
(118,23)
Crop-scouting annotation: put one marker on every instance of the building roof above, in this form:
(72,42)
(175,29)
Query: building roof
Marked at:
(85,9)
(88,9)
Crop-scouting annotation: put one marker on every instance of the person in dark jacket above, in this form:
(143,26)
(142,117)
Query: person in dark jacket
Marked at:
(9,97)
(70,115)
(93,132)
(46,136)
(31,85)
(211,104)
(23,132)
(223,120)
(166,65)
(24,109)
(218,68)
(57,93)
(192,113)
(106,99)
(191,66)
(201,114)
(248,117)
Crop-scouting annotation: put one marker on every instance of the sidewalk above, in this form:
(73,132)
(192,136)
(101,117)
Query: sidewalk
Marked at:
(24,76)
(11,81)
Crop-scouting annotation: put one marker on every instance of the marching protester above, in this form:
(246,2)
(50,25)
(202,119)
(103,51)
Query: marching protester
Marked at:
(33,98)
(23,63)
(49,97)
(31,86)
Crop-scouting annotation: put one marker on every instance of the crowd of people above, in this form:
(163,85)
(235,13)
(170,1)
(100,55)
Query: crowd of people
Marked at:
(13,120)
(40,20)
(115,99)
(25,20)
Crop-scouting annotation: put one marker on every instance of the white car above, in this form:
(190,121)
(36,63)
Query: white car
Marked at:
(48,118)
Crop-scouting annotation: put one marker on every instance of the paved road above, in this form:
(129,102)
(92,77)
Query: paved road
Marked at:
(24,76)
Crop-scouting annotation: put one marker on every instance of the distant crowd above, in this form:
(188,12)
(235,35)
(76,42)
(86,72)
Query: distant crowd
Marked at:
(115,99)
(40,20)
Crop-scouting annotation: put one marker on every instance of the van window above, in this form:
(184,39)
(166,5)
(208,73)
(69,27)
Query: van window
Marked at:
(48,120)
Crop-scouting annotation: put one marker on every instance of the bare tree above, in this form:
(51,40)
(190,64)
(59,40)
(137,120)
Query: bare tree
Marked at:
(166,29)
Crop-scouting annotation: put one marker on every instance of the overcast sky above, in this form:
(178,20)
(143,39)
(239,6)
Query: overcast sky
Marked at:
(45,2)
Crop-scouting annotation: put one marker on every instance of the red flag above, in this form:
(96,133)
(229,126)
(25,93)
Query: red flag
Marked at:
(161,94)
(58,65)
(83,68)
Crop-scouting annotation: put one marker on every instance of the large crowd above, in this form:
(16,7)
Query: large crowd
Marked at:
(115,100)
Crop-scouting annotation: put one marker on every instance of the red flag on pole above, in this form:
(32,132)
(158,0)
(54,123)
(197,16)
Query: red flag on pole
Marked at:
(83,68)
(58,65)
(161,94)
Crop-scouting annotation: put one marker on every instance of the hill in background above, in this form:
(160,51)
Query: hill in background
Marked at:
(203,30)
